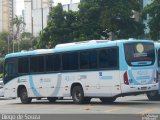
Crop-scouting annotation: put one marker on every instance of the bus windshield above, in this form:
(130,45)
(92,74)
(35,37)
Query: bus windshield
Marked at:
(139,54)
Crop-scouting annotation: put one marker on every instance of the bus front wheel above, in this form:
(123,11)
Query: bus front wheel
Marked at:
(153,95)
(78,95)
(24,96)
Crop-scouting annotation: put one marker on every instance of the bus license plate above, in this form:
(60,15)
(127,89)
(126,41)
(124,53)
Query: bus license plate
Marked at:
(143,88)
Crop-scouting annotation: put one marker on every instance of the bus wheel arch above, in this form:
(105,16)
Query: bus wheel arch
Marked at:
(73,85)
(77,94)
(23,94)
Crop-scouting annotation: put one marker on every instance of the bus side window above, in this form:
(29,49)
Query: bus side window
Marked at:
(93,59)
(23,65)
(70,61)
(84,60)
(108,58)
(37,64)
(57,62)
(10,69)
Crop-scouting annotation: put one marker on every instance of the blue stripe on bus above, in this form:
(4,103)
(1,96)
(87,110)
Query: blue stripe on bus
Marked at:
(33,88)
(135,82)
(58,85)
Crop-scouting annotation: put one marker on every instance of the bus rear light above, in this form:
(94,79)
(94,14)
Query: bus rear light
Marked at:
(125,76)
(156,80)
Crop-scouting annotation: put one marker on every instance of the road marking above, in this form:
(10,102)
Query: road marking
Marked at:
(147,111)
(115,109)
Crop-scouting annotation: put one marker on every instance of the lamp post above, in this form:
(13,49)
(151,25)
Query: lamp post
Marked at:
(8,43)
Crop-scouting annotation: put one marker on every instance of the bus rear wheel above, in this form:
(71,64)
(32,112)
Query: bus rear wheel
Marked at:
(107,100)
(153,95)
(52,99)
(78,96)
(24,96)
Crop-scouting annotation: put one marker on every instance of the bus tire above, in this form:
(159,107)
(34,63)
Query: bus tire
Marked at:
(153,95)
(107,100)
(52,99)
(24,96)
(78,95)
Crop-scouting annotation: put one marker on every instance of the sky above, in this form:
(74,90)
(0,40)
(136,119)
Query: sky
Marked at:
(20,4)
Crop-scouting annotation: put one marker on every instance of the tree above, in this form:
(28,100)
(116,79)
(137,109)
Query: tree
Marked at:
(88,26)
(99,18)
(3,43)
(18,22)
(94,20)
(116,18)
(59,28)
(27,41)
(153,10)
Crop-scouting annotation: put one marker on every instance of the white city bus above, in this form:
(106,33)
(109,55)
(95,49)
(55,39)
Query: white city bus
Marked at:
(155,95)
(82,70)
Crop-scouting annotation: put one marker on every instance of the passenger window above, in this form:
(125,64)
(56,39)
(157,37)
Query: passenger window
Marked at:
(57,62)
(93,59)
(84,60)
(70,61)
(37,64)
(49,63)
(23,65)
(53,63)
(108,58)
(88,59)
(10,68)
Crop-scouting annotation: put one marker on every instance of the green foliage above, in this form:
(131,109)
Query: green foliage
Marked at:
(3,43)
(18,22)
(3,47)
(1,67)
(26,35)
(88,26)
(59,28)
(153,10)
(25,45)
(116,18)
(94,20)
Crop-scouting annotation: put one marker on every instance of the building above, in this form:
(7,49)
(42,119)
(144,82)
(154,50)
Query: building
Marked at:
(37,14)
(27,16)
(7,12)
(1,16)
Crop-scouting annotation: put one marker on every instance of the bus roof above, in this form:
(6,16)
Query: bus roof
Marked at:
(74,46)
(157,45)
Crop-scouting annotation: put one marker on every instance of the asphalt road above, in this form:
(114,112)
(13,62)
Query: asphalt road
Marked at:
(130,107)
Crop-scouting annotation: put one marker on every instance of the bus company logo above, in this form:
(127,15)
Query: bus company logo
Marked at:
(80,77)
(21,80)
(103,77)
(140,48)
(150,117)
